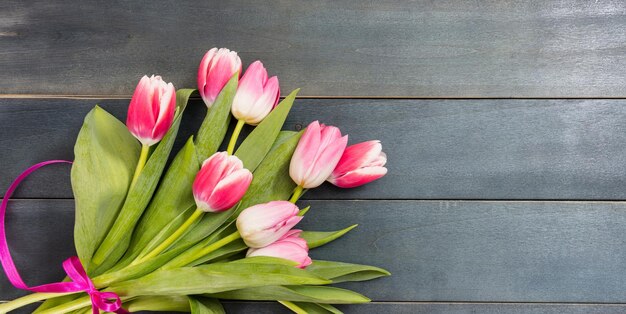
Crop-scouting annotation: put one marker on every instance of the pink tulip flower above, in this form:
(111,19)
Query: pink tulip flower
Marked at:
(262,224)
(291,246)
(221,183)
(256,95)
(317,154)
(151,110)
(216,68)
(360,164)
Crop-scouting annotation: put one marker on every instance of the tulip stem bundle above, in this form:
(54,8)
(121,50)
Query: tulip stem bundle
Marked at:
(29,299)
(143,158)
(235,136)
(205,251)
(197,214)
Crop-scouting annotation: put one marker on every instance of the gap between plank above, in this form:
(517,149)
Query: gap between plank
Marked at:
(402,200)
(52,96)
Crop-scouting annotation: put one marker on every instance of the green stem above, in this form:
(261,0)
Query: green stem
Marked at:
(233,138)
(143,157)
(173,237)
(290,305)
(29,299)
(296,194)
(72,306)
(208,249)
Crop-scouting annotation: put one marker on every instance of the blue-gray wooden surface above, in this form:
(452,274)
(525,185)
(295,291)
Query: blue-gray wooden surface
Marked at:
(504,123)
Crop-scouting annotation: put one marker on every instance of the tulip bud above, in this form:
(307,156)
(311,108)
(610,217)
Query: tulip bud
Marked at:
(256,95)
(360,164)
(290,247)
(216,68)
(317,154)
(151,110)
(262,224)
(221,183)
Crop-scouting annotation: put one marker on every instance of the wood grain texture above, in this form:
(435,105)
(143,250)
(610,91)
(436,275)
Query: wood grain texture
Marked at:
(436,250)
(438,149)
(440,308)
(419,307)
(553,48)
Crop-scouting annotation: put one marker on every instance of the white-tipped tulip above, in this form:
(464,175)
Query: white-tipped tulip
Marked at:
(256,95)
(360,164)
(221,183)
(263,224)
(151,110)
(216,68)
(317,154)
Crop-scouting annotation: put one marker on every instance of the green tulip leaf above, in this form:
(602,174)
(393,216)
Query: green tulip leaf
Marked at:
(329,308)
(226,251)
(316,294)
(310,308)
(254,148)
(104,163)
(168,230)
(215,124)
(266,260)
(340,272)
(137,270)
(164,303)
(303,212)
(189,256)
(318,238)
(117,239)
(200,305)
(208,224)
(214,278)
(271,181)
(53,302)
(172,197)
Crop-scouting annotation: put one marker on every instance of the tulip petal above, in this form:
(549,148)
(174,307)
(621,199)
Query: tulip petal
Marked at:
(326,163)
(381,160)
(167,108)
(254,100)
(268,215)
(230,190)
(263,224)
(150,112)
(358,155)
(209,174)
(220,72)
(305,153)
(203,71)
(286,250)
(359,177)
(254,79)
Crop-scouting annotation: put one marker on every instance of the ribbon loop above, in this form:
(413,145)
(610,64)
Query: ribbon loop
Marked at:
(106,301)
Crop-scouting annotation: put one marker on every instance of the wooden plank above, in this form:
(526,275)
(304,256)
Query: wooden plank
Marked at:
(474,251)
(416,308)
(440,308)
(447,48)
(438,149)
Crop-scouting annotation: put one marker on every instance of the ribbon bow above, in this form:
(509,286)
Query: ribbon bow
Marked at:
(106,301)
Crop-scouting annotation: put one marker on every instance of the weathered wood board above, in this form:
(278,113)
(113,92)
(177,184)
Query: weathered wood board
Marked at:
(478,251)
(447,48)
(438,149)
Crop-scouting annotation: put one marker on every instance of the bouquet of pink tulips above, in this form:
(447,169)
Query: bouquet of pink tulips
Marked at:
(213,225)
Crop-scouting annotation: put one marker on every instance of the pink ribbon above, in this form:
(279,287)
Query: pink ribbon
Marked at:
(106,301)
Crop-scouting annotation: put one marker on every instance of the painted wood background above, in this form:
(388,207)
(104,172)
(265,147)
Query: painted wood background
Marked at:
(504,123)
